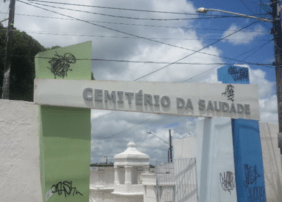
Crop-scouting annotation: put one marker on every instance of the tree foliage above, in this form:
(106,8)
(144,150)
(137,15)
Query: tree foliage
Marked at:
(22,74)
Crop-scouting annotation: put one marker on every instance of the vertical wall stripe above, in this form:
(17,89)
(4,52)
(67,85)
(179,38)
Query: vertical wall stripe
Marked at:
(65,136)
(249,171)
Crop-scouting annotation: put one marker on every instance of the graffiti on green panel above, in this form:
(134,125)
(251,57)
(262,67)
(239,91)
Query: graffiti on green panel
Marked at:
(65,139)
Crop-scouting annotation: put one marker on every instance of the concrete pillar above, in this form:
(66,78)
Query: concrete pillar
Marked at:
(128,180)
(146,169)
(116,175)
(139,181)
(127,174)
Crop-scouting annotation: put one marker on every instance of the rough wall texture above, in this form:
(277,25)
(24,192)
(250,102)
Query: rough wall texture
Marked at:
(19,152)
(184,148)
(102,195)
(150,193)
(271,161)
(102,177)
(215,161)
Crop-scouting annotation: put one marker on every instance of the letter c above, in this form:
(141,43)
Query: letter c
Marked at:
(88,94)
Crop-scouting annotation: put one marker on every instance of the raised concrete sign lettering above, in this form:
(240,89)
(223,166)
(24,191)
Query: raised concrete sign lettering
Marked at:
(186,99)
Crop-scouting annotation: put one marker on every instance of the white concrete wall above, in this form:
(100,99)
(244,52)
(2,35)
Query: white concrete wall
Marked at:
(102,177)
(184,148)
(19,152)
(101,196)
(122,198)
(271,161)
(214,157)
(150,194)
(101,184)
(149,185)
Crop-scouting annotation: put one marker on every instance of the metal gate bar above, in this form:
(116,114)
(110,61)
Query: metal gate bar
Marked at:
(177,181)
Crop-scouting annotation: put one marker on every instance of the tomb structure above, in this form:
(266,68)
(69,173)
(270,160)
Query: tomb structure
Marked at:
(128,167)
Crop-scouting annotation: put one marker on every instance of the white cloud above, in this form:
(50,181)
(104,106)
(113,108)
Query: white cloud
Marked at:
(268,109)
(257,77)
(242,37)
(267,99)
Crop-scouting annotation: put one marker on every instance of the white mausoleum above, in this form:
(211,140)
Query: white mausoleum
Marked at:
(123,183)
(129,165)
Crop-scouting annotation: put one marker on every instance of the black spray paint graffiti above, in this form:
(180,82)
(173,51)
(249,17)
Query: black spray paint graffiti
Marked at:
(255,193)
(229,92)
(251,175)
(66,188)
(238,73)
(60,65)
(227,181)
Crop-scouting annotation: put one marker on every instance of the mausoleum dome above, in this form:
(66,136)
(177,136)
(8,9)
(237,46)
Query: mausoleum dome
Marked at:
(131,156)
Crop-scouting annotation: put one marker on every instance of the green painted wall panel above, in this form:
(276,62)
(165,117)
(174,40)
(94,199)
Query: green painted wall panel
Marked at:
(80,70)
(65,133)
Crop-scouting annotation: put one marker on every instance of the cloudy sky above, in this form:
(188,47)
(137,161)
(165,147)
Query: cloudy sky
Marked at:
(164,31)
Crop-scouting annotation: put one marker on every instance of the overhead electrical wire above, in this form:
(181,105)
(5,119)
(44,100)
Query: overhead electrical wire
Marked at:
(258,49)
(145,62)
(254,50)
(195,51)
(251,2)
(133,18)
(158,137)
(124,37)
(115,8)
(246,6)
(132,34)
(132,24)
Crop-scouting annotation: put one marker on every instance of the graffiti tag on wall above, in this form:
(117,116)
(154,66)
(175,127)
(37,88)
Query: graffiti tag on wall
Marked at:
(238,73)
(227,181)
(254,191)
(60,64)
(229,92)
(65,188)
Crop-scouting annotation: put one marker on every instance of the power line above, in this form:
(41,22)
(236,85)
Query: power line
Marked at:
(196,51)
(133,18)
(246,6)
(123,37)
(157,136)
(143,62)
(254,49)
(132,34)
(251,2)
(132,24)
(115,8)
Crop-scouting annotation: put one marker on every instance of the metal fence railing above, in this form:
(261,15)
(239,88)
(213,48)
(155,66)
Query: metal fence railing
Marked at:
(177,181)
